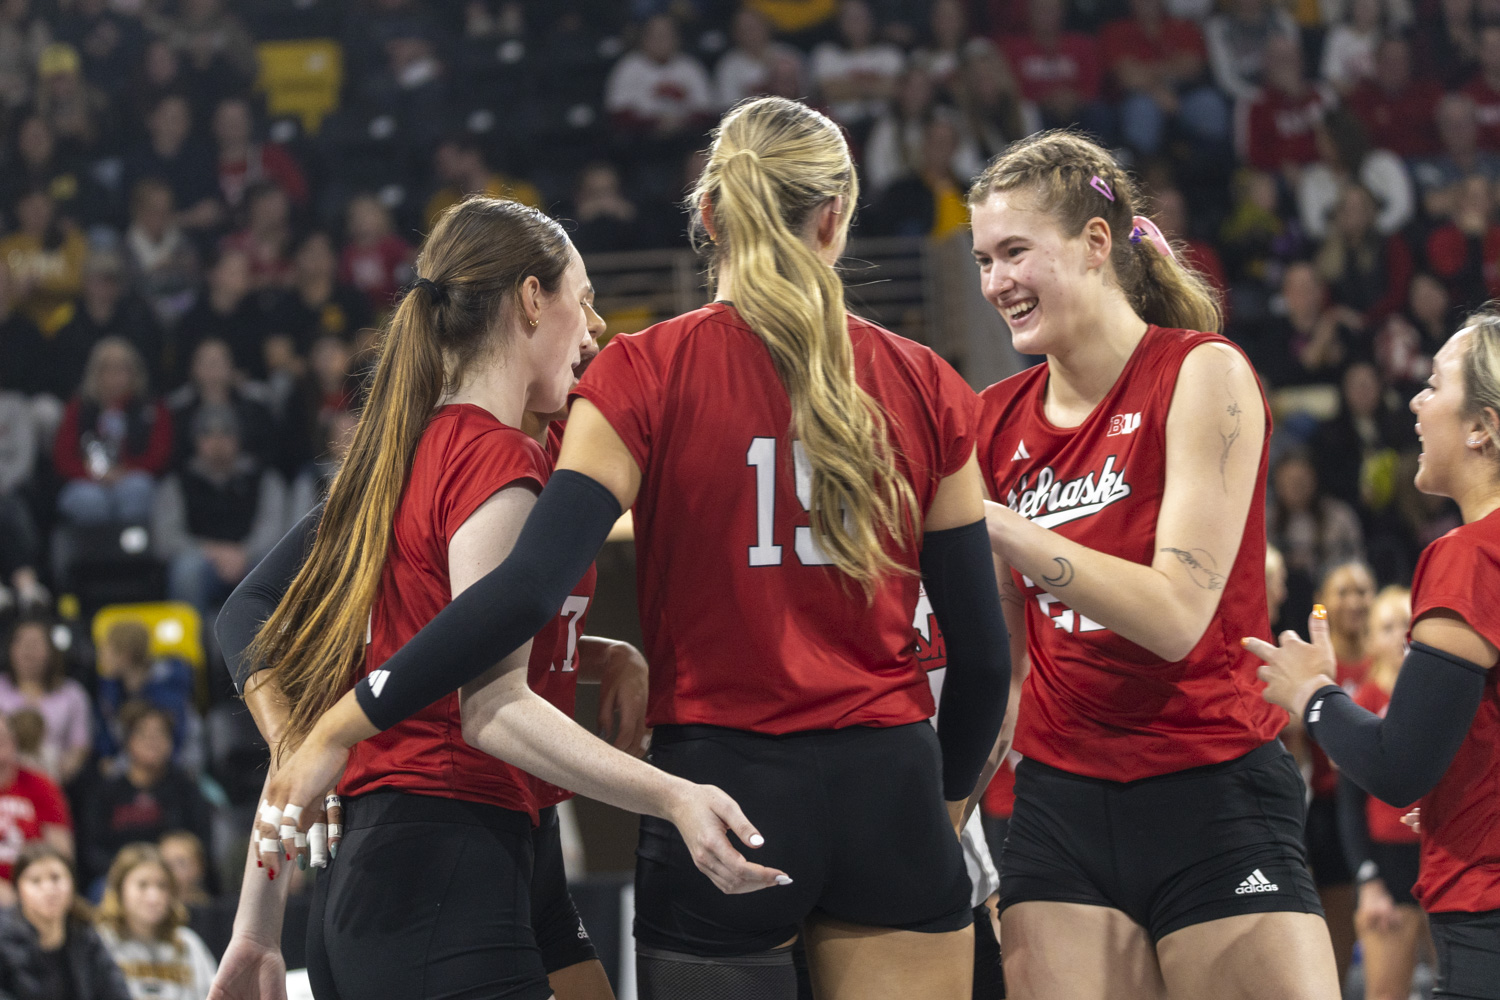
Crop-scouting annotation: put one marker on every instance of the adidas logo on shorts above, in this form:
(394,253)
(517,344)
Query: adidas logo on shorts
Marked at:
(1256,883)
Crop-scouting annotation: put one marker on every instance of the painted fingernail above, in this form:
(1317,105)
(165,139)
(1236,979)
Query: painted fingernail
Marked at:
(1245,642)
(756,840)
(333,850)
(289,857)
(783,880)
(271,874)
(301,863)
(1320,612)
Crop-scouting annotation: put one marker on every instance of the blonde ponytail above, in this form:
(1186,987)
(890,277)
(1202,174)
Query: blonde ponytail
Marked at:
(773,164)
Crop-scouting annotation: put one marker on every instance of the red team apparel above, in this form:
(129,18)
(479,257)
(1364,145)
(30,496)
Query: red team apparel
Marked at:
(1384,821)
(1461,816)
(31,801)
(465,457)
(746,624)
(1096,704)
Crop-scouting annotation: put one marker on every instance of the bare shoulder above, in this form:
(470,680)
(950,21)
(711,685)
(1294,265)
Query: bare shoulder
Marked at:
(1209,373)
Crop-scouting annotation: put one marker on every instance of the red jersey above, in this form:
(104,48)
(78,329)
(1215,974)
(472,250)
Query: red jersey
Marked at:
(1486,112)
(1402,122)
(1127,39)
(1095,703)
(1383,821)
(1041,72)
(746,623)
(465,457)
(1461,816)
(1279,129)
(31,801)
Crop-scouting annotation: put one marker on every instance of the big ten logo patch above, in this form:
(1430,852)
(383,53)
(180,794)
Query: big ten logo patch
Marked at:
(1123,423)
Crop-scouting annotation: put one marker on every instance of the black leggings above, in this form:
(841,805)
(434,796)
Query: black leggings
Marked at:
(429,899)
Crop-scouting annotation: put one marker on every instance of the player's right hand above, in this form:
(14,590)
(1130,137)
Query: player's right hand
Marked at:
(249,971)
(704,815)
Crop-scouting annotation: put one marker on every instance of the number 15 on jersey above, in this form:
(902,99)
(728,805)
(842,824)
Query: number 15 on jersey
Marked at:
(762,458)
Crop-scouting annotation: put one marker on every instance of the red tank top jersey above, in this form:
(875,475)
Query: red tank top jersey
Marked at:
(1094,703)
(1461,816)
(465,457)
(745,624)
(1383,821)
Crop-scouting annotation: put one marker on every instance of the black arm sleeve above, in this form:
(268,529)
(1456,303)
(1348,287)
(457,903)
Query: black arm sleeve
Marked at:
(258,594)
(960,578)
(503,609)
(1354,824)
(1400,758)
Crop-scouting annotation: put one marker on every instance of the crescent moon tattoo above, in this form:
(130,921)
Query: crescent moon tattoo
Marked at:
(1064,573)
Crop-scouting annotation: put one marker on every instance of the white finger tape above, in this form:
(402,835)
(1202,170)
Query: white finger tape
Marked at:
(332,802)
(288,831)
(335,830)
(269,814)
(300,839)
(293,814)
(269,845)
(317,845)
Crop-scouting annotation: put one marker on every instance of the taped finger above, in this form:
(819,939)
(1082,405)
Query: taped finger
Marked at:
(292,814)
(317,845)
(269,814)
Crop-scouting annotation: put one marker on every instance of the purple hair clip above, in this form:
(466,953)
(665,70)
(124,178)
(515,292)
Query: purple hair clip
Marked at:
(1098,185)
(1145,227)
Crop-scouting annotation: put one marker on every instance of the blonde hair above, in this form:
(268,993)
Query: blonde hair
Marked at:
(1058,170)
(1383,670)
(1481,369)
(90,387)
(474,263)
(772,165)
(111,912)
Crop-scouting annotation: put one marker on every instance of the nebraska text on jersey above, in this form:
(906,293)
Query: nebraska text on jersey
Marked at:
(1064,502)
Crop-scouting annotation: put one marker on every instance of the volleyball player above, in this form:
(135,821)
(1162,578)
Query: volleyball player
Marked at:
(792,470)
(1155,847)
(438,478)
(1440,737)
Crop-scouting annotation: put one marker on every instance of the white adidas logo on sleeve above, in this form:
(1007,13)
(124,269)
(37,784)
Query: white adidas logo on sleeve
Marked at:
(1256,883)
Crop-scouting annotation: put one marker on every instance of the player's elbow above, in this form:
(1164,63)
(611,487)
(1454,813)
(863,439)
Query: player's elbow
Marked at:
(1179,638)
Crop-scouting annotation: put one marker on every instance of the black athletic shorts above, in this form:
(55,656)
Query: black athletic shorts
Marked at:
(1468,955)
(1325,848)
(559,930)
(1170,851)
(429,898)
(855,816)
(1399,865)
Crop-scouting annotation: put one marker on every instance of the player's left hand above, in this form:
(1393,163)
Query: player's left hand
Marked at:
(294,799)
(1295,669)
(249,971)
(622,700)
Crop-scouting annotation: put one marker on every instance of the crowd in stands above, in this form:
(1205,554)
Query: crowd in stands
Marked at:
(189,284)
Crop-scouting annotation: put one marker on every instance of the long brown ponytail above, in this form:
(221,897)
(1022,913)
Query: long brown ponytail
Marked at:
(471,265)
(1058,168)
(773,163)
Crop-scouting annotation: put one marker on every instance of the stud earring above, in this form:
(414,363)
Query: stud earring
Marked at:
(533,322)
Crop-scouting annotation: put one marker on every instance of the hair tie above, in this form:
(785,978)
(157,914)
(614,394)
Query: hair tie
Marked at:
(750,153)
(1145,227)
(435,291)
(1097,183)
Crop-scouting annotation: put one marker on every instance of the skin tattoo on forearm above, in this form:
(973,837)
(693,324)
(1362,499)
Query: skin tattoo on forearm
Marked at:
(1201,567)
(1229,438)
(1064,573)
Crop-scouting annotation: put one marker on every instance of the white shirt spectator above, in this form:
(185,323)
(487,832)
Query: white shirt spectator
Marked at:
(1349,56)
(894,150)
(1382,173)
(831,61)
(1236,51)
(739,74)
(181,969)
(651,91)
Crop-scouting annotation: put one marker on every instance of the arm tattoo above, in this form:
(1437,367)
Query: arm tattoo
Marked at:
(1229,439)
(1011,594)
(1064,573)
(1201,567)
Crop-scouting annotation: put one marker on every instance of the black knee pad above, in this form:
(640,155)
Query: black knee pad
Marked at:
(672,975)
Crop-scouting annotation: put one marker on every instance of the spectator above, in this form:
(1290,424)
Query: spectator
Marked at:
(173,156)
(744,70)
(24,35)
(184,856)
(1314,532)
(930,201)
(796,17)
(1308,342)
(160,260)
(1171,217)
(159,74)
(1349,48)
(220,52)
(1158,64)
(245,165)
(37,163)
(1450,43)
(1237,43)
(109,41)
(461,169)
(45,257)
(375,260)
(895,147)
(229,312)
(1283,119)
(67,102)
(311,485)
(1256,240)
(607,219)
(1396,109)
(20,541)
(34,679)
(1464,253)
(1405,345)
(213,381)
(1059,70)
(1484,88)
(656,89)
(949,44)
(49,949)
(109,307)
(856,74)
(1439,177)
(1358,452)
(32,809)
(266,240)
(147,797)
(318,303)
(26,357)
(143,923)
(129,674)
(217,517)
(994,113)
(1365,271)
(113,441)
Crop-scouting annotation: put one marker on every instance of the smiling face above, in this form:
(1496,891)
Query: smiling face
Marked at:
(1444,426)
(1029,271)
